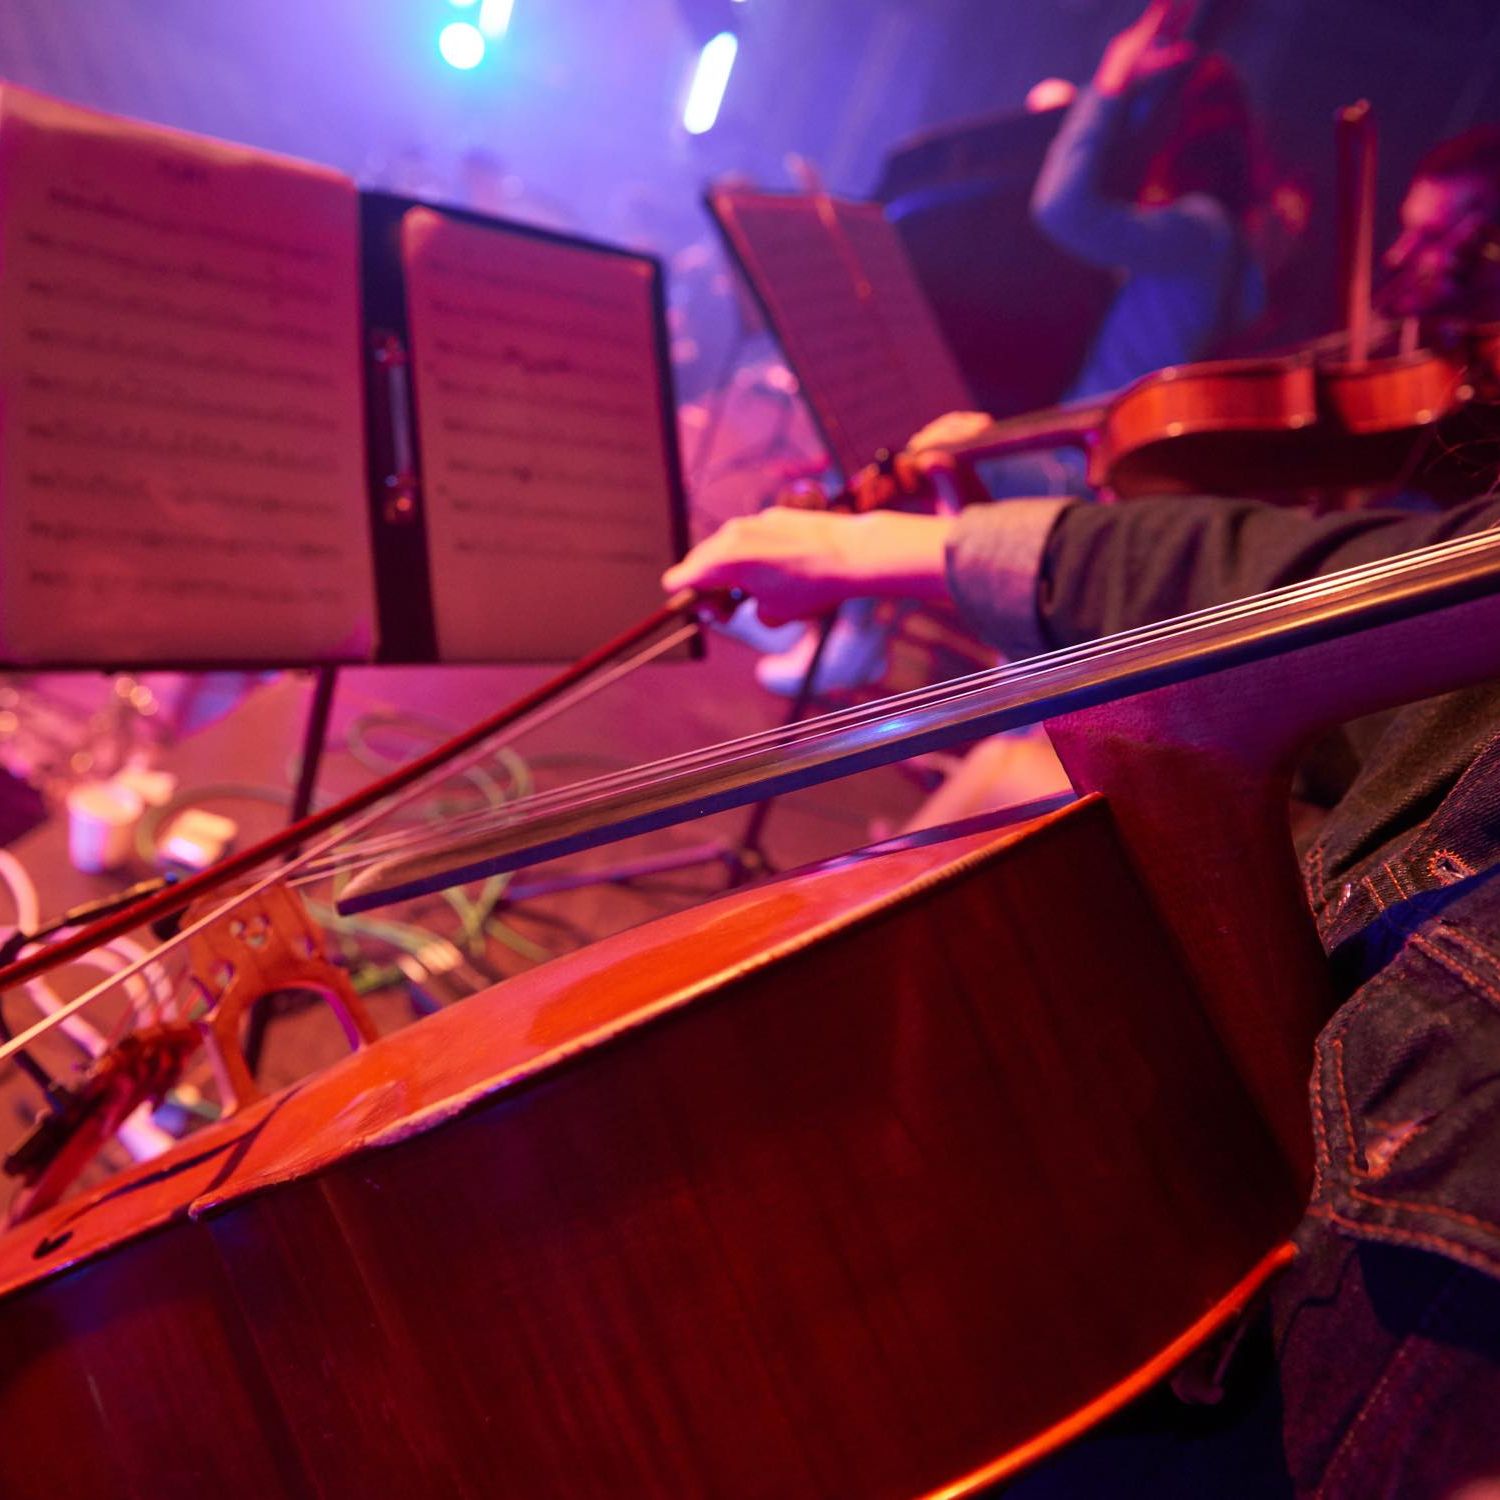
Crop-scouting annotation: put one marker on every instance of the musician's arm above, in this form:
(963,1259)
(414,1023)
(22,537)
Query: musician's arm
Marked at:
(798,564)
(1070,206)
(1029,575)
(1035,580)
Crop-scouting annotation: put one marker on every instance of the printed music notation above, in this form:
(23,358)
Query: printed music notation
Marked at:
(849,315)
(136,352)
(182,449)
(101,487)
(504,432)
(932,374)
(111,586)
(169,396)
(539,401)
(538,396)
(133,538)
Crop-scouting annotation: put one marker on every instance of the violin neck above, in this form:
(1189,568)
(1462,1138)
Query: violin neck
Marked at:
(1070,426)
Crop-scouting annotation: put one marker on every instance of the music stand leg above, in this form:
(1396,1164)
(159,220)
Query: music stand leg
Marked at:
(314,738)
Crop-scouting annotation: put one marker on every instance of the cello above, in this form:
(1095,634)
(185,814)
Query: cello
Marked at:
(851,1184)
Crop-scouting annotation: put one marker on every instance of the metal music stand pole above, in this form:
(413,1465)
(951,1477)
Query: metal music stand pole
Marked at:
(314,739)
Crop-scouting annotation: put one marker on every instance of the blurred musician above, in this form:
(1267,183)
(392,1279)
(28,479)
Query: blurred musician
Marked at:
(1152,175)
(1446,260)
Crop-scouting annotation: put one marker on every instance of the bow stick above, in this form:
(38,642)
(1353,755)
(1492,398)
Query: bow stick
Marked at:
(176,897)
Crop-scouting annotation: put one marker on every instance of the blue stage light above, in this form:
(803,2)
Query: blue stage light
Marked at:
(461,44)
(710,79)
(494,16)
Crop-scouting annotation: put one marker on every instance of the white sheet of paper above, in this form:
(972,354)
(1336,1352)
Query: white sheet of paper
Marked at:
(850,316)
(181,415)
(546,480)
(933,377)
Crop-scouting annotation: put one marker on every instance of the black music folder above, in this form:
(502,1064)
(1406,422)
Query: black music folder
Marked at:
(250,416)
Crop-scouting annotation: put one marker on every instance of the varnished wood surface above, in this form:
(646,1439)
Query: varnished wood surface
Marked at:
(848,1219)
(1291,429)
(1198,777)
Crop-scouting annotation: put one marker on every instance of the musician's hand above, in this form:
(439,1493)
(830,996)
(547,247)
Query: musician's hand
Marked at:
(1145,48)
(925,475)
(797,563)
(949,430)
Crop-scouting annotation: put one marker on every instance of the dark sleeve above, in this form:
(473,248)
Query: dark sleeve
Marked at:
(1106,568)
(1069,206)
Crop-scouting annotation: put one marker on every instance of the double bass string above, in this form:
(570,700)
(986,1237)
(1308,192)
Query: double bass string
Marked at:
(579,795)
(1019,675)
(778,737)
(501,738)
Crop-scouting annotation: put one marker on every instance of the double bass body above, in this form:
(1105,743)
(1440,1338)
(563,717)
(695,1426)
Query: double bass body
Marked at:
(869,1182)
(848,1185)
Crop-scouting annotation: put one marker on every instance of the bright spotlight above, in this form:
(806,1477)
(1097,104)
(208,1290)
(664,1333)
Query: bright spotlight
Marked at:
(494,16)
(461,44)
(710,79)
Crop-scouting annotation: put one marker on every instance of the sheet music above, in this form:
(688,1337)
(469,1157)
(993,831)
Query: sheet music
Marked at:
(181,414)
(850,316)
(547,482)
(933,376)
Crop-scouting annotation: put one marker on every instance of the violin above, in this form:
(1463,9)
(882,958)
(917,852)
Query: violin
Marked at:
(1296,429)
(1322,426)
(1307,426)
(796,1194)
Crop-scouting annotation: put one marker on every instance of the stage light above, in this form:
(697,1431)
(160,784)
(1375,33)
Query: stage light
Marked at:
(494,16)
(461,44)
(710,79)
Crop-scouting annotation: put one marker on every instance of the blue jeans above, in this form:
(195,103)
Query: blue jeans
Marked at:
(1375,1375)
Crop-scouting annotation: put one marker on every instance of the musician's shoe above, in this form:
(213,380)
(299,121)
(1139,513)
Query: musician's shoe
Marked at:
(857,654)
